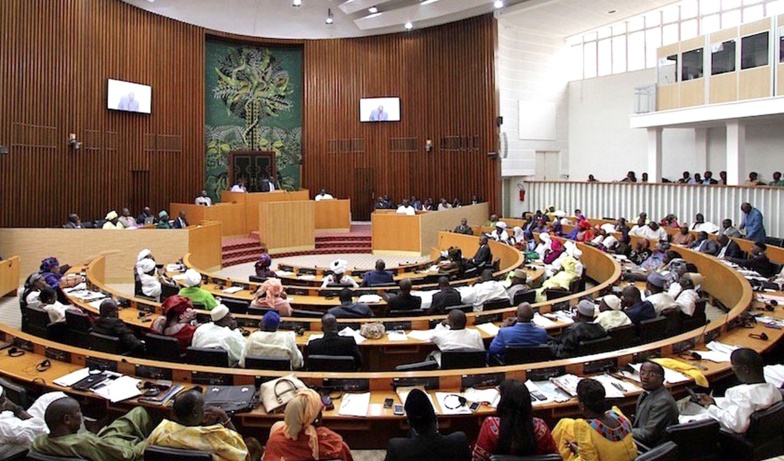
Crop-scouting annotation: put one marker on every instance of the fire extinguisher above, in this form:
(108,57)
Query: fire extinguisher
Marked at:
(521,192)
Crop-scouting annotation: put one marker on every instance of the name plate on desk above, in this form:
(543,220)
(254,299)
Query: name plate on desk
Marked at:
(244,286)
(57,354)
(294,326)
(100,364)
(217,281)
(346,385)
(489,318)
(598,366)
(639,357)
(392,326)
(677,348)
(221,379)
(481,380)
(560,306)
(544,374)
(306,271)
(293,291)
(286,267)
(427,383)
(153,372)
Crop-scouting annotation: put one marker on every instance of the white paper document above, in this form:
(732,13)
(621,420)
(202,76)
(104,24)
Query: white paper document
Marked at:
(231,290)
(315,336)
(369,299)
(542,321)
(614,388)
(348,331)
(122,388)
(354,404)
(450,404)
(491,329)
(403,391)
(490,396)
(306,277)
(72,378)
(397,335)
(421,335)
(552,392)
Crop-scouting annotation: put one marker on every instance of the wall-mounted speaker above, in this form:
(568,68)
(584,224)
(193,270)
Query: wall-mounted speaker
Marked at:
(3,150)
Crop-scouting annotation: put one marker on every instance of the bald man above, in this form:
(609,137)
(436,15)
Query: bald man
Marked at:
(123,440)
(518,331)
(332,343)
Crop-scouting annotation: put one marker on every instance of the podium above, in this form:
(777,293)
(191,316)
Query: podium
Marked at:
(287,226)
(232,215)
(250,201)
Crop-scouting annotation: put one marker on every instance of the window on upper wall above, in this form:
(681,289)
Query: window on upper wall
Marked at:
(754,51)
(668,70)
(692,64)
(781,44)
(723,57)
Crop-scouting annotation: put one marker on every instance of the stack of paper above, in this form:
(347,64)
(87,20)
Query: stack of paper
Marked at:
(717,352)
(565,317)
(567,383)
(490,396)
(306,277)
(421,335)
(281,273)
(122,388)
(774,374)
(231,290)
(537,396)
(490,329)
(72,378)
(354,405)
(369,299)
(450,404)
(397,335)
(551,392)
(348,331)
(614,387)
(543,322)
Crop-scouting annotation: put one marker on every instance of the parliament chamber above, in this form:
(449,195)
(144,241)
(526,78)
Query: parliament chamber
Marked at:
(243,148)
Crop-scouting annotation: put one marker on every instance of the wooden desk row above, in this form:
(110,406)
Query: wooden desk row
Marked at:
(9,276)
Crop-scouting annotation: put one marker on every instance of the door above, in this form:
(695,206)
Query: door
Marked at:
(548,165)
(362,199)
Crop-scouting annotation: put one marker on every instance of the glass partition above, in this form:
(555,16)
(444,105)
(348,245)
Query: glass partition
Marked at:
(668,70)
(754,51)
(692,64)
(723,57)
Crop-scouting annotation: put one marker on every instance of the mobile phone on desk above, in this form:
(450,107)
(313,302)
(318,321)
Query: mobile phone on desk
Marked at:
(388,403)
(398,410)
(474,406)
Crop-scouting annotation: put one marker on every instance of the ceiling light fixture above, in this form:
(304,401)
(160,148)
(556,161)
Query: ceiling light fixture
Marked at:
(373,10)
(408,25)
(296,2)
(498,4)
(329,19)
(427,2)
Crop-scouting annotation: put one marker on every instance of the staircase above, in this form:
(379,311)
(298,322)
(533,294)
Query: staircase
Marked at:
(245,250)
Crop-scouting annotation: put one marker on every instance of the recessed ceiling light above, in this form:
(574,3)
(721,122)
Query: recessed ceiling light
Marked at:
(408,25)
(498,4)
(612,11)
(372,10)
(296,2)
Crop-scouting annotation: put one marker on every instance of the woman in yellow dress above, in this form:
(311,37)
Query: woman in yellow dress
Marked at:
(601,435)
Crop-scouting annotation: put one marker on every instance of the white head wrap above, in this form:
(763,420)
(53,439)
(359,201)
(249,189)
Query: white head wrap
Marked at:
(339,266)
(146,265)
(192,278)
(143,254)
(111,215)
(218,312)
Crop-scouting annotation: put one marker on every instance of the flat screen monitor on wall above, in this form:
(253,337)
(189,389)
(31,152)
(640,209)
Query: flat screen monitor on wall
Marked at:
(379,110)
(129,97)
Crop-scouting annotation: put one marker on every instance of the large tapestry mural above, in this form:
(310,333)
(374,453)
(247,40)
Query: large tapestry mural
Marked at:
(254,102)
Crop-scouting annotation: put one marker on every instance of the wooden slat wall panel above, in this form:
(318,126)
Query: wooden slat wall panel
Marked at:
(55,58)
(445,78)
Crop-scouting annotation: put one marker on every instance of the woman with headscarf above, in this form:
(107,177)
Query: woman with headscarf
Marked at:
(424,442)
(51,271)
(263,267)
(585,231)
(271,296)
(112,221)
(299,438)
(194,292)
(163,221)
(514,431)
(338,277)
(555,252)
(518,238)
(150,282)
(602,434)
(178,320)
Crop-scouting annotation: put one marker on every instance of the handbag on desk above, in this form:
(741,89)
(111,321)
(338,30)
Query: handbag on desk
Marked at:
(277,393)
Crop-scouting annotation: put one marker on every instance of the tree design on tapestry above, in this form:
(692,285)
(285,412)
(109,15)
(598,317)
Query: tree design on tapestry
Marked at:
(254,86)
(250,89)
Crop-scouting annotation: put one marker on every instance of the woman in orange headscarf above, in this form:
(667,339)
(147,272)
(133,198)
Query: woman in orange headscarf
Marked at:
(296,437)
(272,296)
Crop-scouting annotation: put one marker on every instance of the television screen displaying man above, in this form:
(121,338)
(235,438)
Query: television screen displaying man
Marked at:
(379,115)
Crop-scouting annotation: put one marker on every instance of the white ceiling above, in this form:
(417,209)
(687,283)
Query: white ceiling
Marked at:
(278,19)
(564,18)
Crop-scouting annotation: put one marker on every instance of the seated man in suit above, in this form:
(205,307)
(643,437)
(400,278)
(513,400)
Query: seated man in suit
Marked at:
(124,439)
(378,276)
(445,298)
(181,222)
(635,308)
(403,301)
(517,331)
(705,245)
(728,248)
(583,329)
(463,228)
(332,343)
(267,341)
(758,261)
(656,409)
(109,324)
(734,411)
(196,427)
(425,443)
(483,256)
(73,222)
(348,309)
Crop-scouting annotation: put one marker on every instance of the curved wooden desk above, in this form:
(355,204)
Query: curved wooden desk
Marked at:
(9,276)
